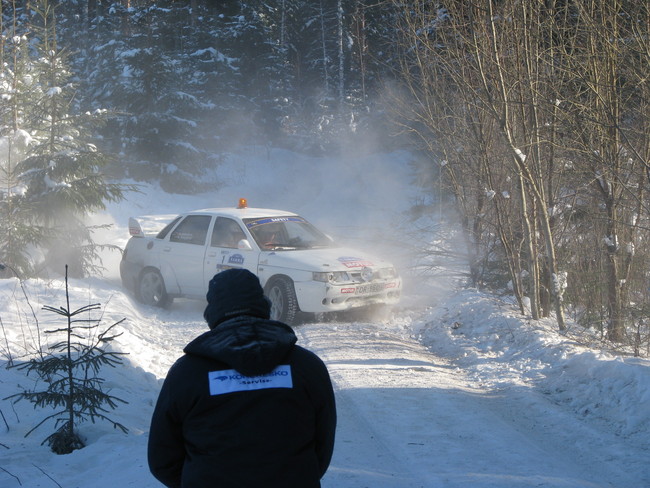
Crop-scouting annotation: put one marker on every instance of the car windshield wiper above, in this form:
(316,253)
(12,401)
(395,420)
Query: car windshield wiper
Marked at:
(281,247)
(293,247)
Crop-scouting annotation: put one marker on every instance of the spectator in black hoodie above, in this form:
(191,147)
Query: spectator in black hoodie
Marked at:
(245,407)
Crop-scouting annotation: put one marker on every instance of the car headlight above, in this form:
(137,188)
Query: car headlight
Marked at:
(331,276)
(387,273)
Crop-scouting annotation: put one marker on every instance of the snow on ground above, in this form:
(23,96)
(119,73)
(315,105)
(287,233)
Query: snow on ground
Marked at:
(454,389)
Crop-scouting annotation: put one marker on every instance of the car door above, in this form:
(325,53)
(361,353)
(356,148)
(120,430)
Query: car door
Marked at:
(225,249)
(182,256)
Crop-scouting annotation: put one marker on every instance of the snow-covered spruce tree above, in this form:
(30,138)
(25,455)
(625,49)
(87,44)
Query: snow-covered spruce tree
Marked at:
(171,84)
(55,180)
(17,89)
(69,371)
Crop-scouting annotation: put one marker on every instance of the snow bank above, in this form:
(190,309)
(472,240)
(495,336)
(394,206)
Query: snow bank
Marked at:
(488,337)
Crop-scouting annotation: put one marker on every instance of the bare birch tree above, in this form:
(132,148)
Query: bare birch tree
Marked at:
(548,100)
(495,63)
(606,111)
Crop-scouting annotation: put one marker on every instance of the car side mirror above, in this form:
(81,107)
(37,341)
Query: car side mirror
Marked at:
(244,244)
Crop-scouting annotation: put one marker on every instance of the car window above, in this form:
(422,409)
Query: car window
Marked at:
(286,233)
(192,230)
(163,233)
(226,233)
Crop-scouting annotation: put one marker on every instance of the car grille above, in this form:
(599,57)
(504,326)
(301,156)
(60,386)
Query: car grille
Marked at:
(378,274)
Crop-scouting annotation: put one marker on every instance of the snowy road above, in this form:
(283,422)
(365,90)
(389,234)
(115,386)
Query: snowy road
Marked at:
(409,419)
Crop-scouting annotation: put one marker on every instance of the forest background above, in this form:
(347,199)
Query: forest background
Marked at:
(531,122)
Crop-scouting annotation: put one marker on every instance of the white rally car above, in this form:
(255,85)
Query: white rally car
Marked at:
(300,268)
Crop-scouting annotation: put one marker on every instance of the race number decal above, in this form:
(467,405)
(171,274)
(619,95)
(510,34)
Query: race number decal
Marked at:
(352,262)
(229,380)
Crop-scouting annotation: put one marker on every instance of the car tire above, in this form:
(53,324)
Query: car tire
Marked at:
(151,290)
(284,304)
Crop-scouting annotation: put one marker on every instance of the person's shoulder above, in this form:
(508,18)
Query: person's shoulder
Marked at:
(178,366)
(306,357)
(185,364)
(305,353)
(310,371)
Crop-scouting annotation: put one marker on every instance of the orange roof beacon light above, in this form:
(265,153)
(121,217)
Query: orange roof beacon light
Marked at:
(242,203)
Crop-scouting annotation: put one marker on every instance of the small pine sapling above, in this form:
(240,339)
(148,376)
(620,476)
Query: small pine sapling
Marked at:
(69,370)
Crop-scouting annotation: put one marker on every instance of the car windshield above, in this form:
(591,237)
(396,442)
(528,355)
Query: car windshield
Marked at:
(286,233)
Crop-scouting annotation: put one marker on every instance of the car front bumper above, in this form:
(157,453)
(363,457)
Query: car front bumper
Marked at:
(317,297)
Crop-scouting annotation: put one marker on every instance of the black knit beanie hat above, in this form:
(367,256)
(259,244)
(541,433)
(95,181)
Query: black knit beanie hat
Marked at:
(235,292)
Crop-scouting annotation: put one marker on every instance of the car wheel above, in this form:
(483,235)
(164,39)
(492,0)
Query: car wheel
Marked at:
(284,304)
(151,289)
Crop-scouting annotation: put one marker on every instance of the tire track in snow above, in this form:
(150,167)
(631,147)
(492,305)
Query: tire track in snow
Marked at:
(380,381)
(158,336)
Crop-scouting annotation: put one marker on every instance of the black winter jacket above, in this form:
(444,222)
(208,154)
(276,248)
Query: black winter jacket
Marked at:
(244,408)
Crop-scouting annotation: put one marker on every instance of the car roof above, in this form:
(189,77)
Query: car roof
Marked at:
(243,213)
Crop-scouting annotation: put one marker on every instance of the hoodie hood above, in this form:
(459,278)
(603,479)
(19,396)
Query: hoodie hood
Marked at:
(235,292)
(250,345)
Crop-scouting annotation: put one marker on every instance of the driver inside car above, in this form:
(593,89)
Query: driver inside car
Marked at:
(268,236)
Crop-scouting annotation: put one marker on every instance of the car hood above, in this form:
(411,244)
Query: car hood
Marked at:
(330,259)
